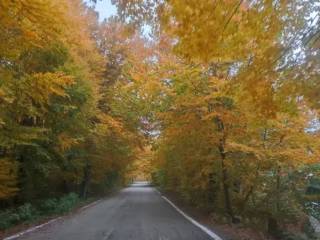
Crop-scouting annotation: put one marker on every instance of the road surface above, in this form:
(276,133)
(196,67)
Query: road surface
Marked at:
(136,213)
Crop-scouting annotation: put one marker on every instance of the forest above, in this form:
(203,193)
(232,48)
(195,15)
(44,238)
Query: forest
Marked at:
(216,101)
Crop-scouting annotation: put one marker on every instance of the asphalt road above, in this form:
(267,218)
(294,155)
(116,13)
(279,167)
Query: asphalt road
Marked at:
(136,213)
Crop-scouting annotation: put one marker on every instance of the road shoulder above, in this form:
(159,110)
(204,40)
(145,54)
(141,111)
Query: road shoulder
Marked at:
(223,230)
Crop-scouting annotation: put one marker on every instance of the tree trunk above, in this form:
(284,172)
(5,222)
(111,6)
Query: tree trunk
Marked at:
(278,183)
(85,181)
(225,185)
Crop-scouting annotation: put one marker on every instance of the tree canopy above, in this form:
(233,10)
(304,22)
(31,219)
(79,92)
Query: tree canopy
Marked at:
(218,101)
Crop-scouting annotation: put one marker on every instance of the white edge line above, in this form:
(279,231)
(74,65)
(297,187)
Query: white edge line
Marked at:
(44,224)
(31,229)
(203,228)
(91,204)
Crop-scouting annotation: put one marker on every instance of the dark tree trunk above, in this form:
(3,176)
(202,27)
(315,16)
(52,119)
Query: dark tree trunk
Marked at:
(273,227)
(225,184)
(85,181)
(278,190)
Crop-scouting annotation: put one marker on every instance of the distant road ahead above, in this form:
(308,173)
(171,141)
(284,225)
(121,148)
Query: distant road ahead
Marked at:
(136,213)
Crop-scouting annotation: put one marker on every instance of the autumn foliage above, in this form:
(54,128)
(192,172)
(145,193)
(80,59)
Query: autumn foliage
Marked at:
(236,122)
(218,101)
(62,127)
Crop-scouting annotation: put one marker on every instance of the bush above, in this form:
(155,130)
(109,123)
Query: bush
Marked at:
(27,212)
(49,206)
(67,202)
(8,218)
(23,213)
(313,209)
(58,206)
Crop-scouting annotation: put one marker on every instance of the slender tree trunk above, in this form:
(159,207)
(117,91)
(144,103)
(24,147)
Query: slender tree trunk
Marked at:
(246,198)
(65,186)
(278,188)
(85,181)
(225,185)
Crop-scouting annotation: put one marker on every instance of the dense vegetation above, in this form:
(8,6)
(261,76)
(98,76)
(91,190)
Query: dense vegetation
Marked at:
(63,125)
(237,84)
(220,100)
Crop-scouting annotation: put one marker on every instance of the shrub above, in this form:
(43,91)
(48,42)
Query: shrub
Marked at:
(58,206)
(23,213)
(27,212)
(8,218)
(67,202)
(313,209)
(49,206)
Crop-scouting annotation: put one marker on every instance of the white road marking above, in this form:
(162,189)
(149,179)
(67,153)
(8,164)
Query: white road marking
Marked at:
(203,228)
(91,204)
(108,235)
(194,222)
(30,229)
(163,238)
(44,224)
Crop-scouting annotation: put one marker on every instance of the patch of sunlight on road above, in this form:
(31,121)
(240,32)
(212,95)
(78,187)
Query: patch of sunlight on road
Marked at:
(140,184)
